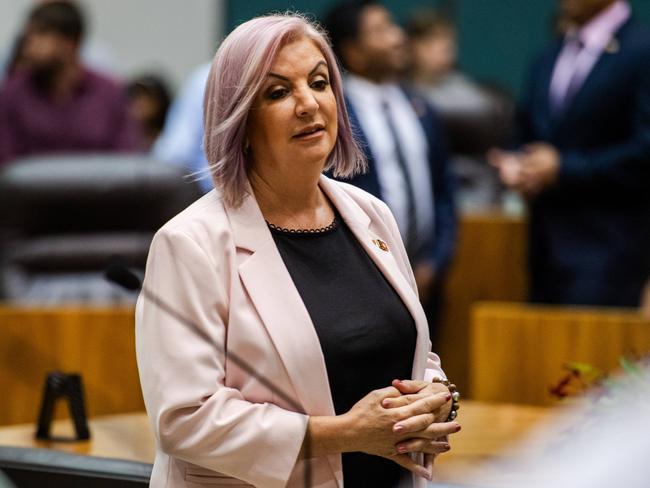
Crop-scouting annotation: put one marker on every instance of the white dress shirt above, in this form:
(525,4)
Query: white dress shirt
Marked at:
(181,141)
(367,99)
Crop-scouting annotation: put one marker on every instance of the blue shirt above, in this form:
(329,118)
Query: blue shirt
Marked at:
(181,141)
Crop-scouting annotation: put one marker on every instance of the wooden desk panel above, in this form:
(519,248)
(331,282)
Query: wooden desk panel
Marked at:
(98,343)
(489,430)
(122,436)
(517,350)
(490,264)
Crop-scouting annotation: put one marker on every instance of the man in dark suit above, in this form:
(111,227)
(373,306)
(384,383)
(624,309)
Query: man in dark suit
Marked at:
(585,162)
(401,136)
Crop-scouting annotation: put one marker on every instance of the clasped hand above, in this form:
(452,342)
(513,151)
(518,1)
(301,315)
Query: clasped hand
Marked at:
(531,170)
(407,417)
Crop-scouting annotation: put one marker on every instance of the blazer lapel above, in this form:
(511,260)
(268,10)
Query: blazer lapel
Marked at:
(281,308)
(603,67)
(591,87)
(542,104)
(360,225)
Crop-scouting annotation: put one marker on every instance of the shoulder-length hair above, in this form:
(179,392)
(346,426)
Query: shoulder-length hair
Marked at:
(238,71)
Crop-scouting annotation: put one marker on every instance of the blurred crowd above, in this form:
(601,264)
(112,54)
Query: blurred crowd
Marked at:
(575,150)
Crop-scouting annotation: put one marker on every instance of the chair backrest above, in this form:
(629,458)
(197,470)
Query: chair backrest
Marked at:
(94,192)
(473,129)
(63,217)
(36,468)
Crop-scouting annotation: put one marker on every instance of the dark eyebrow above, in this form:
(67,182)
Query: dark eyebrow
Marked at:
(318,65)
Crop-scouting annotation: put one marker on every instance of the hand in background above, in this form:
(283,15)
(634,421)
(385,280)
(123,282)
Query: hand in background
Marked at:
(508,164)
(540,165)
(529,171)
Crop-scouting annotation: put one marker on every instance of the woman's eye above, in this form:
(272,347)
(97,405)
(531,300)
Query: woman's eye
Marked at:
(320,84)
(277,94)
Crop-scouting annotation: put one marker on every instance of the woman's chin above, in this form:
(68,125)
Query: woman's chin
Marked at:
(314,155)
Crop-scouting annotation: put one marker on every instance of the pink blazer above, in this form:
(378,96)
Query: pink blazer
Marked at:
(214,423)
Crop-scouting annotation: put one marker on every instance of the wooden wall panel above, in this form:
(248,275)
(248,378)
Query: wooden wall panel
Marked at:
(98,343)
(517,350)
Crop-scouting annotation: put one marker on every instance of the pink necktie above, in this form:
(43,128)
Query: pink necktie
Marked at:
(564,80)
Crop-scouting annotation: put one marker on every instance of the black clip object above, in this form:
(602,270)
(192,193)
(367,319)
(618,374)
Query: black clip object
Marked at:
(70,388)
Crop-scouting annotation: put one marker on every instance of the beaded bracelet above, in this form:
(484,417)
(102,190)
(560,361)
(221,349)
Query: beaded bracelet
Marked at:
(455,398)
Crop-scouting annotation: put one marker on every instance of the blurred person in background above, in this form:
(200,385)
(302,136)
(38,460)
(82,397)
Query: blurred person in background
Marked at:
(584,165)
(402,139)
(15,60)
(181,141)
(149,101)
(52,103)
(475,117)
(95,54)
(433,49)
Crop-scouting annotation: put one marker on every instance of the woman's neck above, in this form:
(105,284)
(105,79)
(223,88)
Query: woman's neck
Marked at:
(292,201)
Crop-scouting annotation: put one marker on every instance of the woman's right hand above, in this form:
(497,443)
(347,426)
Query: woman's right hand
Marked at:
(376,430)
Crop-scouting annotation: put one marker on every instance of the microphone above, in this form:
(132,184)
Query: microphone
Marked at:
(117,273)
(122,276)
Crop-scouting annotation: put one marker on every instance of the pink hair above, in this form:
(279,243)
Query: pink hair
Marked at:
(238,71)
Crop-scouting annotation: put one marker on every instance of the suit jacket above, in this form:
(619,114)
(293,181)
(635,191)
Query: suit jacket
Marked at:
(440,247)
(215,422)
(590,232)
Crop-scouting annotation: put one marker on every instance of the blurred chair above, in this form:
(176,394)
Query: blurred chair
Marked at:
(63,218)
(471,131)
(35,468)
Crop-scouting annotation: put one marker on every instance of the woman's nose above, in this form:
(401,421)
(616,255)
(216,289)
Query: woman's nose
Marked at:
(306,104)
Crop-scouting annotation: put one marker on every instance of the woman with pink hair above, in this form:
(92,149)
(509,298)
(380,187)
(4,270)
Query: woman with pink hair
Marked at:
(280,339)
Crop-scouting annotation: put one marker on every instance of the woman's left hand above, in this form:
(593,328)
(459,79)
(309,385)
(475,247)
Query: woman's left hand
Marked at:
(413,390)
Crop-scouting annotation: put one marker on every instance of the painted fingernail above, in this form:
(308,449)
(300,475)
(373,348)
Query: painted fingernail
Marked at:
(401,449)
(385,403)
(446,447)
(457,429)
(398,428)
(448,397)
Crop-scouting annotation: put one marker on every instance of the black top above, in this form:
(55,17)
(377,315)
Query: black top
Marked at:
(366,333)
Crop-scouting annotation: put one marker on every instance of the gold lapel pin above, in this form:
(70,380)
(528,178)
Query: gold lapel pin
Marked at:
(613,46)
(380,244)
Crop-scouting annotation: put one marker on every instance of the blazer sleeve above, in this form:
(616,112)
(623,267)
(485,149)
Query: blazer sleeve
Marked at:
(433,367)
(181,358)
